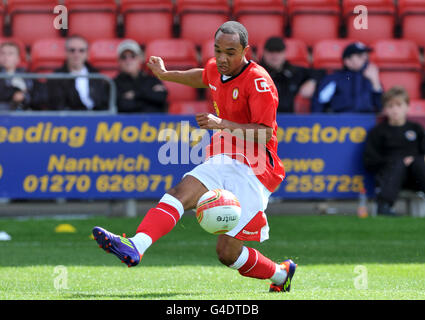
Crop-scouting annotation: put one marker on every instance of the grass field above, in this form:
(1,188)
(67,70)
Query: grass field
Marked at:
(339,257)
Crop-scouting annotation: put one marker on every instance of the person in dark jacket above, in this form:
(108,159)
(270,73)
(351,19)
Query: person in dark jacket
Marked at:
(356,88)
(16,93)
(81,93)
(136,90)
(395,151)
(290,80)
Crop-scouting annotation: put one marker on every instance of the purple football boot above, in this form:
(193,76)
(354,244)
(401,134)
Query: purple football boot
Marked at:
(122,247)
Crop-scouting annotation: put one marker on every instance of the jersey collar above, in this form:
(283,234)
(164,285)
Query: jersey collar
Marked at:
(233,77)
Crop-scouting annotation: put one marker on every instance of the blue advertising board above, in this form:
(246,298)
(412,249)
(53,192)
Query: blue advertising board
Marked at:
(141,156)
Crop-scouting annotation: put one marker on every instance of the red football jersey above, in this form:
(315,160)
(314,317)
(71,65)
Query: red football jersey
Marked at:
(249,97)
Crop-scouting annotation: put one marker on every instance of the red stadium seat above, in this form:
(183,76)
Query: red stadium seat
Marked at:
(207,51)
(399,64)
(314,20)
(189,107)
(262,18)
(199,20)
(32,20)
(296,52)
(138,14)
(380,18)
(180,92)
(22,50)
(416,108)
(92,19)
(412,16)
(1,19)
(327,54)
(103,55)
(47,55)
(176,53)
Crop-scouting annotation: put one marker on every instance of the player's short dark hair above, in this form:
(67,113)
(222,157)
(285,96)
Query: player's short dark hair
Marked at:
(395,92)
(233,27)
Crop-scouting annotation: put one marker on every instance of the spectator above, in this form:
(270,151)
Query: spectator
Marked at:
(395,151)
(15,93)
(136,90)
(81,93)
(355,88)
(289,79)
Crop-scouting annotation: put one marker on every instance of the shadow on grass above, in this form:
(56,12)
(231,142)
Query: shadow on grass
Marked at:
(130,296)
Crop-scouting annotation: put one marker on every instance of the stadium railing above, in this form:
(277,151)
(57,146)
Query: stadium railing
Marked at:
(112,107)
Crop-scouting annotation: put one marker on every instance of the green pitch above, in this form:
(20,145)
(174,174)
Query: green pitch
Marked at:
(338,258)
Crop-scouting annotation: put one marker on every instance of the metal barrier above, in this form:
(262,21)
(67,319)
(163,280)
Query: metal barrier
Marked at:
(112,107)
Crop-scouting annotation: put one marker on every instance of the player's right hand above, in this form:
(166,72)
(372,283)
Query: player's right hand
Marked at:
(156,64)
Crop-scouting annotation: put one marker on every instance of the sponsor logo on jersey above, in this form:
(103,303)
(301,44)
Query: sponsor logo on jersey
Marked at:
(261,85)
(212,87)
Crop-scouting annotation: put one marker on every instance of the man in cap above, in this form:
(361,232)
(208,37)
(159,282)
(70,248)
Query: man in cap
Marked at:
(355,88)
(290,80)
(136,90)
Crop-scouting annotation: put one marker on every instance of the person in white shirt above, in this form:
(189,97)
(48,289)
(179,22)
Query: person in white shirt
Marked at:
(82,93)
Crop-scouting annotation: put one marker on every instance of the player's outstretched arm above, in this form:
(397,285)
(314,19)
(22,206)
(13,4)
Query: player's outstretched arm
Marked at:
(248,131)
(191,77)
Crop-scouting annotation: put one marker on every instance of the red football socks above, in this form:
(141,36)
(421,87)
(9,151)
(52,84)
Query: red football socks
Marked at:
(257,266)
(159,221)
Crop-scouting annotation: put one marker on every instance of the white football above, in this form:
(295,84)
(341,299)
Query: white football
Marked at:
(218,211)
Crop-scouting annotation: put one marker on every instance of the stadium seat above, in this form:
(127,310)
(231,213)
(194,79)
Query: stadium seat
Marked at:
(189,107)
(314,20)
(417,108)
(47,55)
(22,50)
(138,14)
(103,55)
(207,51)
(176,53)
(92,19)
(327,54)
(296,52)
(1,19)
(262,18)
(380,18)
(31,20)
(199,20)
(412,18)
(179,92)
(399,64)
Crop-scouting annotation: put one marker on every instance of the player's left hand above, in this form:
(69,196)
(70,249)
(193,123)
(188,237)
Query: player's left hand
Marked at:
(208,121)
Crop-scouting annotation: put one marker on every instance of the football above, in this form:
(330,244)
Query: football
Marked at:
(218,211)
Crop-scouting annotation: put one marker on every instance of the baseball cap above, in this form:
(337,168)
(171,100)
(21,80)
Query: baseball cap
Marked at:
(130,45)
(355,47)
(274,44)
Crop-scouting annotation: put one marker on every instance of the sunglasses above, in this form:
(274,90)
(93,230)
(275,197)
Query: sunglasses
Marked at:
(73,50)
(127,56)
